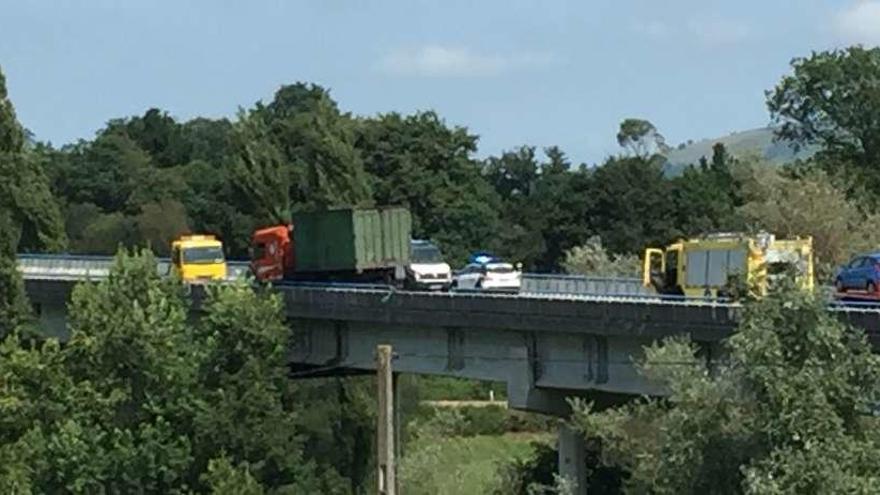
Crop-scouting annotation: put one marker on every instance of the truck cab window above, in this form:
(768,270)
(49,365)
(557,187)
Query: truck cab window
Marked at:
(259,250)
(671,268)
(203,255)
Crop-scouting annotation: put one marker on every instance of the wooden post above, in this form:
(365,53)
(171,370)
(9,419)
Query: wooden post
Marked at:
(385,429)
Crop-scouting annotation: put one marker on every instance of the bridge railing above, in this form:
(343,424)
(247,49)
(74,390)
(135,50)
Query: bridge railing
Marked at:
(80,266)
(583,284)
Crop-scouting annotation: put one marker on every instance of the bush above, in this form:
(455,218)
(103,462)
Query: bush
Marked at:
(593,259)
(518,476)
(520,421)
(489,420)
(468,421)
(538,473)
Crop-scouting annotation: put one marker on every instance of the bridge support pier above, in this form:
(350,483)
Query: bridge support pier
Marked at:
(572,459)
(522,393)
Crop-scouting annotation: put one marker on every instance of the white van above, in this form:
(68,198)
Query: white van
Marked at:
(426,269)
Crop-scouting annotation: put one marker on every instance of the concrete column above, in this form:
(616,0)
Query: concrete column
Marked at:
(572,459)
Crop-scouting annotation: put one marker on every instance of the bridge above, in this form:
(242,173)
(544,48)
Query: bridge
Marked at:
(559,337)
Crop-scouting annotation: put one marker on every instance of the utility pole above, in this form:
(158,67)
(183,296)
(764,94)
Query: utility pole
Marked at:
(385,436)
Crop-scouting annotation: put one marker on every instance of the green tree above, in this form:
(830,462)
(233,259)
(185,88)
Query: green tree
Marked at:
(104,172)
(543,207)
(101,233)
(831,99)
(640,138)
(208,139)
(157,134)
(592,259)
(563,201)
(155,185)
(215,204)
(129,343)
(249,411)
(317,142)
(158,224)
(262,171)
(222,477)
(338,429)
(706,196)
(29,216)
(515,176)
(784,412)
(142,400)
(14,307)
(11,133)
(631,204)
(419,162)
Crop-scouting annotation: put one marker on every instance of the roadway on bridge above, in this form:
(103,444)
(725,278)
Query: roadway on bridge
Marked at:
(66,267)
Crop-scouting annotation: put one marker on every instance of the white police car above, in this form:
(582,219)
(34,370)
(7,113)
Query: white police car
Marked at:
(488,273)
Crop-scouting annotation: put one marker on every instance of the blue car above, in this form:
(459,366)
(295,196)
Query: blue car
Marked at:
(862,274)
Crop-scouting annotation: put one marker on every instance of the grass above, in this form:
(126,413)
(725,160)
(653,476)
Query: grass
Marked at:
(461,465)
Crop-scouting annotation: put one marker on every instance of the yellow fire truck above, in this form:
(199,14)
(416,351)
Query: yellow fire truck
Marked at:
(198,257)
(706,266)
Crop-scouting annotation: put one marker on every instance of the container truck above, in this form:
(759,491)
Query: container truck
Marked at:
(198,258)
(342,245)
(707,266)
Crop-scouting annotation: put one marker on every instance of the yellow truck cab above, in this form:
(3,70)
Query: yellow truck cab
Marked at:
(704,267)
(198,258)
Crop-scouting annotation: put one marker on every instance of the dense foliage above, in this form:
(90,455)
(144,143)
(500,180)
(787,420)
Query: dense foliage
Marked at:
(786,411)
(141,399)
(832,99)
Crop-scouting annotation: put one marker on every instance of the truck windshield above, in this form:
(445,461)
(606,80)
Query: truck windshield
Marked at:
(205,255)
(426,254)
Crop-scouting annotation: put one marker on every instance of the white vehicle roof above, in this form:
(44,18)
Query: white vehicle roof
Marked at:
(498,265)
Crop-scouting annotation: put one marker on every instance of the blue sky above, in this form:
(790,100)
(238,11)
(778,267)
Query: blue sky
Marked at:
(514,72)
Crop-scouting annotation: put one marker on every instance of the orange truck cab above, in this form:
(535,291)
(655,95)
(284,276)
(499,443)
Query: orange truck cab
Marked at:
(272,252)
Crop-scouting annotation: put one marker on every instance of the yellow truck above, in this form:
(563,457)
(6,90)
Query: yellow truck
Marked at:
(198,258)
(707,266)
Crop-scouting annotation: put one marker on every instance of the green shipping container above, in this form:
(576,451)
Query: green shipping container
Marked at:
(351,240)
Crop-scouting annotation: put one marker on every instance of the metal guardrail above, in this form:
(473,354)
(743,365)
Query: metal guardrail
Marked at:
(82,267)
(583,284)
(74,267)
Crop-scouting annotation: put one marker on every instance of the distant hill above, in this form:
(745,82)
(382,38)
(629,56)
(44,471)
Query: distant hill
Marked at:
(758,141)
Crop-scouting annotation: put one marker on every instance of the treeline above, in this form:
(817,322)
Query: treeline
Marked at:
(145,179)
